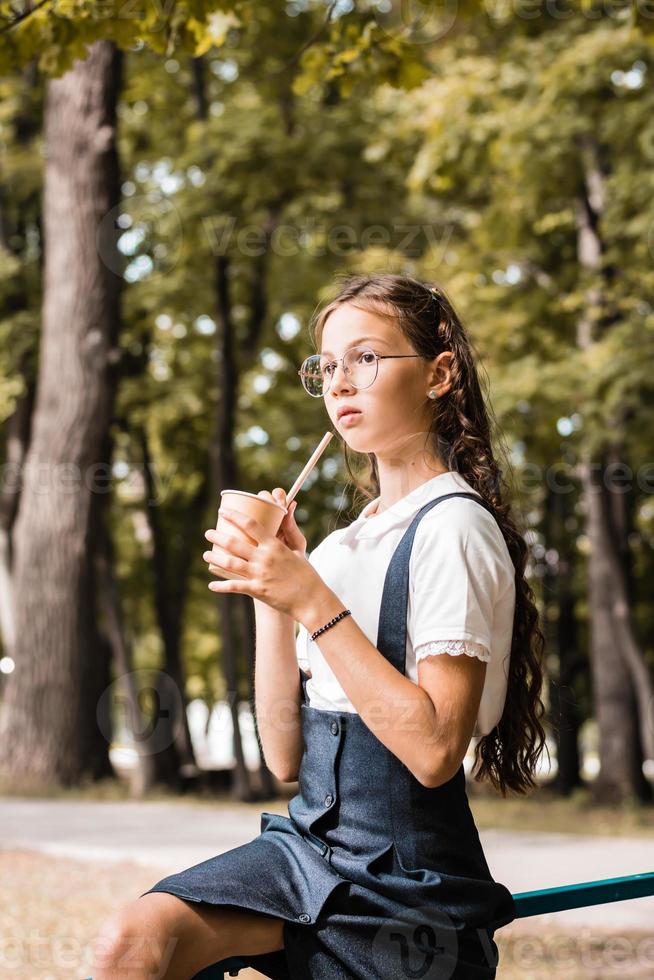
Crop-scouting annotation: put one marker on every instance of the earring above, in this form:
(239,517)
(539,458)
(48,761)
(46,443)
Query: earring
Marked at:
(432,394)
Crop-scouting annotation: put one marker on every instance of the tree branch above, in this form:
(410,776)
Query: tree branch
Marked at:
(18,18)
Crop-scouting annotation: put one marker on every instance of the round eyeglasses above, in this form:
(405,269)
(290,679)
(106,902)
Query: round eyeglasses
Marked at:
(360,365)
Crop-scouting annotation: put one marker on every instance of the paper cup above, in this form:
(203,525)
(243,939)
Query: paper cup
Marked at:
(261,509)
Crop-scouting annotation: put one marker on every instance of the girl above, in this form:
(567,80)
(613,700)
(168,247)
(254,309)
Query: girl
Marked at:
(417,631)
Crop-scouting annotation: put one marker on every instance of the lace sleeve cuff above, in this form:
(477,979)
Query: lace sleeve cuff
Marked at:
(453,647)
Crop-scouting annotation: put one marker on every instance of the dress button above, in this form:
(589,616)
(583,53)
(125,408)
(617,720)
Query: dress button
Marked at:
(304,917)
(334,728)
(329,799)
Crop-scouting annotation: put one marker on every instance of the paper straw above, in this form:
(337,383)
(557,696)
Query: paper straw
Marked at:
(313,459)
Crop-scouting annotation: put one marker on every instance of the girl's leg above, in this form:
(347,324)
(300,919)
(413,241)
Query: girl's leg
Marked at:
(161,937)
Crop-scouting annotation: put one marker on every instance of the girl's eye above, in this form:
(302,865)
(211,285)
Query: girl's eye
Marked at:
(369,355)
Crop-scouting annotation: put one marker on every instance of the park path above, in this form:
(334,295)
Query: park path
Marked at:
(170,836)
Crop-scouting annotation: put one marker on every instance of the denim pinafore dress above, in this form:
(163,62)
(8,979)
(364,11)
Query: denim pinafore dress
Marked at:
(376,876)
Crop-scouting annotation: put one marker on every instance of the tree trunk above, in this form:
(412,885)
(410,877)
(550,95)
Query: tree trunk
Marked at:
(223,475)
(126,688)
(223,466)
(224,471)
(95,721)
(563,698)
(622,682)
(43,726)
(171,577)
(616,708)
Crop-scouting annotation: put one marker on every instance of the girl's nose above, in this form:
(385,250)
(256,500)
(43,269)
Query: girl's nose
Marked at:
(340,378)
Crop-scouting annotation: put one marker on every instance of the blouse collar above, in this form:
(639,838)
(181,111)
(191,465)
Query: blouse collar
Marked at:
(376,525)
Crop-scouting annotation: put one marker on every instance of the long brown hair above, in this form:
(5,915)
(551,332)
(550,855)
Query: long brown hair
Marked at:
(461,431)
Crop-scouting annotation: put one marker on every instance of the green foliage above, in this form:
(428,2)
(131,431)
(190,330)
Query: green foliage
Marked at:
(20,246)
(321,145)
(56,33)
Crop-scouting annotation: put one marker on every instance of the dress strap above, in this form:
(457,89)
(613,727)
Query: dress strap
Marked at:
(392,631)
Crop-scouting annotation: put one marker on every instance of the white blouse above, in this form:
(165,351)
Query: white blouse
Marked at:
(461,589)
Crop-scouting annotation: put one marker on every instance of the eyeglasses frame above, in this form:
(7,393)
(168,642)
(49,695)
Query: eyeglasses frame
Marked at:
(339,360)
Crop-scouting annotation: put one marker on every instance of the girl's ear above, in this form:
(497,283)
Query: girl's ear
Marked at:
(440,374)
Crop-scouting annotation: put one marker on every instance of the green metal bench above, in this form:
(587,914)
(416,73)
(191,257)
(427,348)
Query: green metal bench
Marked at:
(576,896)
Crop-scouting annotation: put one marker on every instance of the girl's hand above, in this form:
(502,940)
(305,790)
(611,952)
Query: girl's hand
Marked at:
(288,532)
(272,572)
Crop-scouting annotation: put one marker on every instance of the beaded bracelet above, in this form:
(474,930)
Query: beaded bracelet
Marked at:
(332,622)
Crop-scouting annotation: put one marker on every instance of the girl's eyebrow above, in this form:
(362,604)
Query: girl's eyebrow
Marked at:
(376,340)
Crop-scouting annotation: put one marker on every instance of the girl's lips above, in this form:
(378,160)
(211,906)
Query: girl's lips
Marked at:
(349,417)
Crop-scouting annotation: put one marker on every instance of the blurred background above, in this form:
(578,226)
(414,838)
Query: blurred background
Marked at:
(179,183)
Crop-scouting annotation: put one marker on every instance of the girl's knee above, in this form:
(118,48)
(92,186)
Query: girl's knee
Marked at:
(136,942)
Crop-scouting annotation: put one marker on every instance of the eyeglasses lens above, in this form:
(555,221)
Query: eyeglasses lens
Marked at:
(359,364)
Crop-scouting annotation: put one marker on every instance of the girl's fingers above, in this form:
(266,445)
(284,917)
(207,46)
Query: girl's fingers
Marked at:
(239,549)
(228,561)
